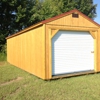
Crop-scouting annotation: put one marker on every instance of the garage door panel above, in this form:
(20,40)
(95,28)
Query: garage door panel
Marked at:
(71,52)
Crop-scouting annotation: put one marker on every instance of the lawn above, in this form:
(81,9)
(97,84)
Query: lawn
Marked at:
(16,84)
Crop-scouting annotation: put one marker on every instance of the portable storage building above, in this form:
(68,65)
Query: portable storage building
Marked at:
(67,44)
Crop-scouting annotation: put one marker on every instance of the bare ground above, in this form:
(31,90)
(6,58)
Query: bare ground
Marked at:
(2,63)
(14,80)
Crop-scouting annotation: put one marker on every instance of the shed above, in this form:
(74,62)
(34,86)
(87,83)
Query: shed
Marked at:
(65,45)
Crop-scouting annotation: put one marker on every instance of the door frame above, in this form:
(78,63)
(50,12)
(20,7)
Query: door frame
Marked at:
(53,30)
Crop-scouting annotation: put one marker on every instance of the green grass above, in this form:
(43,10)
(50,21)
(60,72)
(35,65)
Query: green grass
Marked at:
(29,87)
(2,56)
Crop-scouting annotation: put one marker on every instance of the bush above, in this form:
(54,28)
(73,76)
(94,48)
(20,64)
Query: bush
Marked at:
(4,49)
(2,56)
(3,53)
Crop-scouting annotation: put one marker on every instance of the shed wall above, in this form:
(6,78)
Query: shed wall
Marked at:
(27,51)
(71,21)
(98,49)
(52,30)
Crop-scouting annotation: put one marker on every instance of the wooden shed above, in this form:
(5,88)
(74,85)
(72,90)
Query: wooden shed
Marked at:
(68,44)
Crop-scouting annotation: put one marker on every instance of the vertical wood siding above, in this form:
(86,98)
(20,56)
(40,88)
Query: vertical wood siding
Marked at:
(27,51)
(98,50)
(49,32)
(70,21)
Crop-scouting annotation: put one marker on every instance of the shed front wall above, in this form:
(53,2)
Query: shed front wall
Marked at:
(98,48)
(50,33)
(71,21)
(27,51)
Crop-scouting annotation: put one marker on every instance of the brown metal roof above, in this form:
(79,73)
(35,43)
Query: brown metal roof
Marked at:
(52,19)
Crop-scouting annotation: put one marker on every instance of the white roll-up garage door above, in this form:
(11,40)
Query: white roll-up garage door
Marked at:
(72,52)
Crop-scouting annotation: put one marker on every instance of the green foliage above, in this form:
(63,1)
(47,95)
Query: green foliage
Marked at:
(60,6)
(50,8)
(2,56)
(24,13)
(47,10)
(7,19)
(4,49)
(3,53)
(87,7)
(14,16)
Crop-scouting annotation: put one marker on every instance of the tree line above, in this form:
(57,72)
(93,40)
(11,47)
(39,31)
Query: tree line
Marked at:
(15,15)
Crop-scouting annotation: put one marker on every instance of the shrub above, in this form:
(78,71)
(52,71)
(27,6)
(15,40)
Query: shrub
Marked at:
(3,53)
(4,49)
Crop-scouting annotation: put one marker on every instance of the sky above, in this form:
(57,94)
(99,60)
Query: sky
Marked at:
(97,19)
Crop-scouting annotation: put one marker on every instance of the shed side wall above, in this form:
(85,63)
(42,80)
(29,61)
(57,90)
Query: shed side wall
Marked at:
(27,51)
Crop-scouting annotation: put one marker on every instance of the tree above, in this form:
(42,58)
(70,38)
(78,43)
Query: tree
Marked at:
(14,16)
(87,7)
(44,10)
(24,13)
(6,19)
(50,8)
(60,6)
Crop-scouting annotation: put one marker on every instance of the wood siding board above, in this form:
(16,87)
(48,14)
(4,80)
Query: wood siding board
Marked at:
(54,31)
(47,52)
(50,56)
(44,35)
(93,34)
(95,52)
(69,26)
(98,50)
(61,27)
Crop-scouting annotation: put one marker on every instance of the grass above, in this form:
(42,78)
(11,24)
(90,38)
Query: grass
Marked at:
(16,84)
(2,56)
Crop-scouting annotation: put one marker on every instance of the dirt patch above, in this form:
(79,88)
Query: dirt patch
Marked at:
(14,92)
(2,63)
(25,85)
(14,80)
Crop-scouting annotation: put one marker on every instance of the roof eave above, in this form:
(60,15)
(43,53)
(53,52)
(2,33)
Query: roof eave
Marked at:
(25,30)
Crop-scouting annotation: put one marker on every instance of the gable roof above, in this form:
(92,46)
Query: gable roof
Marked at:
(52,19)
(68,13)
